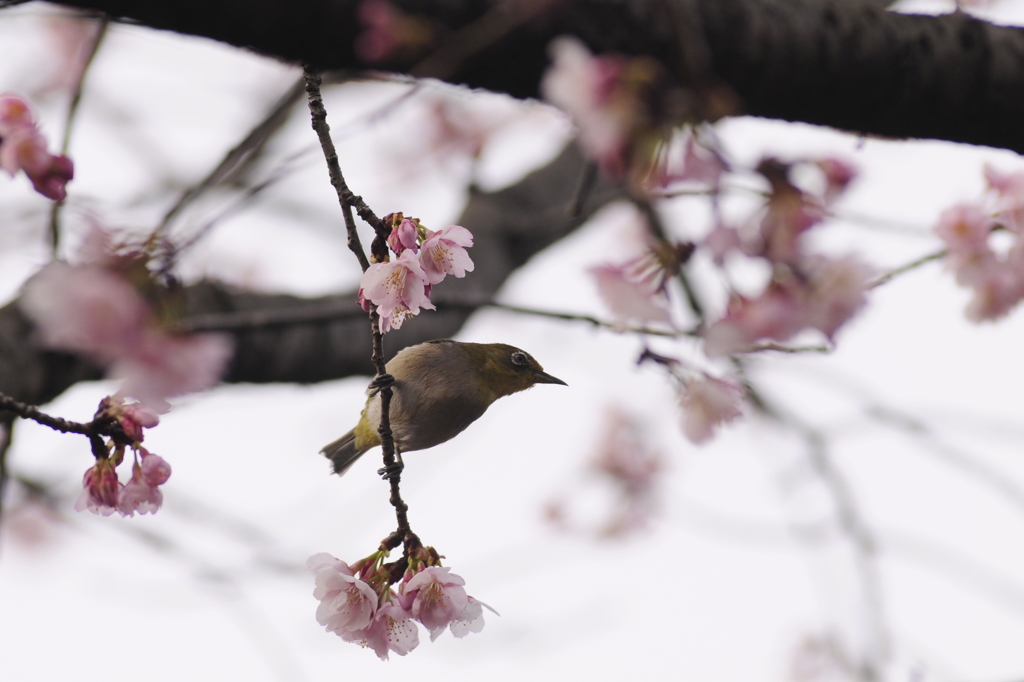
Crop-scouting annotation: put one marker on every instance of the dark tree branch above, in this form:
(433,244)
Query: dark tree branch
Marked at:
(848,64)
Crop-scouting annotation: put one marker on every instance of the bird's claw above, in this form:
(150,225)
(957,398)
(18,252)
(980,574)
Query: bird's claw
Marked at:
(380,382)
(393,469)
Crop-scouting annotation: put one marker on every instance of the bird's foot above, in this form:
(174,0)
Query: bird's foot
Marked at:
(381,381)
(393,469)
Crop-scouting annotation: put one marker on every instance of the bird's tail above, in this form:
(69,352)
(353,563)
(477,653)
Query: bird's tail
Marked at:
(343,452)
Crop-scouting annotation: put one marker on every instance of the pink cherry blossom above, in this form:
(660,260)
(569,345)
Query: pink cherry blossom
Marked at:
(397,288)
(347,604)
(382,33)
(471,619)
(154,470)
(136,417)
(721,241)
(22,147)
(837,291)
(789,215)
(700,164)
(85,309)
(139,496)
(405,237)
(965,229)
(777,314)
(629,297)
(444,253)
(588,89)
(435,597)
(998,287)
(392,629)
(708,402)
(101,489)
(838,176)
(163,365)
(92,310)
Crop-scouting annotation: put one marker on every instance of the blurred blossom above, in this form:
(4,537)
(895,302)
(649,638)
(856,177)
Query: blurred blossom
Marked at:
(707,403)
(606,96)
(389,33)
(22,147)
(776,314)
(699,164)
(838,176)
(995,278)
(629,296)
(837,291)
(625,460)
(820,659)
(93,310)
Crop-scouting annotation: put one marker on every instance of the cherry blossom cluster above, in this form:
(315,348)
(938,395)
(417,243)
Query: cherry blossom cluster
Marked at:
(23,147)
(103,493)
(399,288)
(805,290)
(111,307)
(609,97)
(995,276)
(625,460)
(358,604)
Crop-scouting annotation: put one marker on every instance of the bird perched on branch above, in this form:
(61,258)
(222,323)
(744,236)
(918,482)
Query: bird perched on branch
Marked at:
(439,388)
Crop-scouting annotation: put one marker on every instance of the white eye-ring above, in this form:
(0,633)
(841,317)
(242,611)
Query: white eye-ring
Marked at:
(519,358)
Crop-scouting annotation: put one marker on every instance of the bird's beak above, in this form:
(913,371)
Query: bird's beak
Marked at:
(545,378)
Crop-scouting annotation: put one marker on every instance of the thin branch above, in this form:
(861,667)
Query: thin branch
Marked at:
(783,348)
(343,309)
(496,23)
(76,97)
(392,464)
(241,153)
(6,437)
(912,265)
(90,430)
(850,519)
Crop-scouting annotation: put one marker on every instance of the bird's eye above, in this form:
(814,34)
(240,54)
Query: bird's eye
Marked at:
(519,358)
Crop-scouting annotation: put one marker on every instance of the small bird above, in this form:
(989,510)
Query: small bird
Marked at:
(439,388)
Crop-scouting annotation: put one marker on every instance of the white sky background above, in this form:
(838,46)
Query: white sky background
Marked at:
(717,589)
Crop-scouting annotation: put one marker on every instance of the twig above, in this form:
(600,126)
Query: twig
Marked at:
(92,430)
(912,265)
(76,97)
(783,348)
(241,153)
(6,436)
(403,534)
(497,22)
(345,310)
(850,520)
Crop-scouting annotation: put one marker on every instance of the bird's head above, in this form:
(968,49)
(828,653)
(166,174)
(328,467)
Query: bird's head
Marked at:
(505,369)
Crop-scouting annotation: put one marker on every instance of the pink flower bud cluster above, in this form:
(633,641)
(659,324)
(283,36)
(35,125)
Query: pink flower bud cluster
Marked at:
(358,604)
(805,291)
(103,493)
(606,96)
(401,287)
(996,277)
(23,147)
(707,403)
(97,308)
